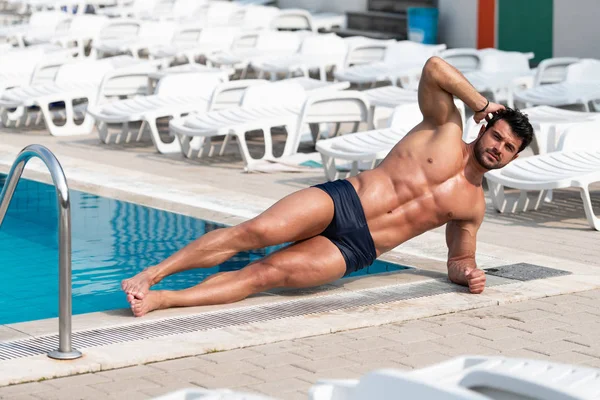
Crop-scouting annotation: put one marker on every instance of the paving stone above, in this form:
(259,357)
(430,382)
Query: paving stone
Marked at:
(532,315)
(281,387)
(556,347)
(423,360)
(325,364)
(337,373)
(30,388)
(488,322)
(229,368)
(171,387)
(230,355)
(297,395)
(276,360)
(455,329)
(562,299)
(583,328)
(585,340)
(21,397)
(427,346)
(183,377)
(524,353)
(550,335)
(511,308)
(502,332)
(480,351)
(537,325)
(512,343)
(592,363)
(372,366)
(78,380)
(182,363)
(465,342)
(126,373)
(576,318)
(445,319)
(323,340)
(572,357)
(132,395)
(229,381)
(76,393)
(369,332)
(318,352)
(125,385)
(377,355)
(415,324)
(281,372)
(368,343)
(590,294)
(279,347)
(410,335)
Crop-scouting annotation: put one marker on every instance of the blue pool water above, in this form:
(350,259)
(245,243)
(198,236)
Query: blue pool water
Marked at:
(111,240)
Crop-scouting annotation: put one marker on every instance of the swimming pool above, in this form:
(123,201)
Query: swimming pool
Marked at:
(111,240)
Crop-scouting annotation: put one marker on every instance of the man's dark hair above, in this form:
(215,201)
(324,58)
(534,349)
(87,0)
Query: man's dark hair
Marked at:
(518,122)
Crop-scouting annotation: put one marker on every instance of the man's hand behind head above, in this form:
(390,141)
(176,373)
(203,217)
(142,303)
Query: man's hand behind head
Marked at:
(491,108)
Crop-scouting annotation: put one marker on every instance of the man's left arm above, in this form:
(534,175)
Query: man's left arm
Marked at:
(462,268)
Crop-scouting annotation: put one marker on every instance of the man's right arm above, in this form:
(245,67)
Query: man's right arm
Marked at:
(439,83)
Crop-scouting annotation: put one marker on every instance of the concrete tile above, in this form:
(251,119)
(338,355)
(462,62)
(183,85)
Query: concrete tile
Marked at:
(512,343)
(337,373)
(160,391)
(557,347)
(417,348)
(281,387)
(371,343)
(230,355)
(318,352)
(410,335)
(182,363)
(423,360)
(279,373)
(127,373)
(276,360)
(585,340)
(532,315)
(524,353)
(377,355)
(576,318)
(455,329)
(133,395)
(75,393)
(571,357)
(25,388)
(537,325)
(325,364)
(125,385)
(550,335)
(418,324)
(78,380)
(228,368)
(279,347)
(229,381)
(369,332)
(323,340)
(502,332)
(22,397)
(181,377)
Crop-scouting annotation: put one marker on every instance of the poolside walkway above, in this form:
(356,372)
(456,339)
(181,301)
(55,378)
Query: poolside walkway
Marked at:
(561,328)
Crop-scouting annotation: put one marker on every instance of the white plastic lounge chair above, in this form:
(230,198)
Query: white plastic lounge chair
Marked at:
(93,80)
(548,124)
(40,24)
(403,61)
(366,149)
(191,43)
(113,33)
(317,52)
(469,378)
(364,50)
(497,72)
(576,164)
(267,44)
(580,87)
(176,96)
(463,59)
(265,107)
(388,97)
(293,19)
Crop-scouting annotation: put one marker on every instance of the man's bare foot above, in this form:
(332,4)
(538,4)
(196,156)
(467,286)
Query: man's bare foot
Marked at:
(138,286)
(151,301)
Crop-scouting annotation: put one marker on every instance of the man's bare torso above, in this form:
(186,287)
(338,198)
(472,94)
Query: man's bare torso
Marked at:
(419,186)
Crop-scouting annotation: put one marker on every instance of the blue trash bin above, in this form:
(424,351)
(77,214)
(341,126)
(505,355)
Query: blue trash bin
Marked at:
(423,25)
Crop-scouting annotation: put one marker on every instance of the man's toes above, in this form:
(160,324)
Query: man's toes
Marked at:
(130,298)
(138,295)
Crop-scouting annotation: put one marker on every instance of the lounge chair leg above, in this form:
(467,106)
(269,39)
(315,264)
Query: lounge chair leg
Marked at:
(329,167)
(103,133)
(510,204)
(594,221)
(225,142)
(161,147)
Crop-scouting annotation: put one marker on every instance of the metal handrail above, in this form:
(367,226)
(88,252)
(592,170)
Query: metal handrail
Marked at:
(65,351)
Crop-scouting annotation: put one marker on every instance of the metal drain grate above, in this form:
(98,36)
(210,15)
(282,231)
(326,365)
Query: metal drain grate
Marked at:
(220,319)
(525,272)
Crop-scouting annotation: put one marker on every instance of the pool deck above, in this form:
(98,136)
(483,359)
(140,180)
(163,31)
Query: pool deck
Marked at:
(540,318)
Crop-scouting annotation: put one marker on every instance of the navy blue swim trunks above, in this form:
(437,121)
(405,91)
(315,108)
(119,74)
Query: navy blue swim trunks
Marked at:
(348,229)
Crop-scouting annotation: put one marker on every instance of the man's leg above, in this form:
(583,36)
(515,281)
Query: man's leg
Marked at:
(313,262)
(296,217)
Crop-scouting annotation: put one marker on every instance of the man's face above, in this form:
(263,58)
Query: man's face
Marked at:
(497,146)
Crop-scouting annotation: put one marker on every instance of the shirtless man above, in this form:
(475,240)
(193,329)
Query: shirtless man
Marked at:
(430,178)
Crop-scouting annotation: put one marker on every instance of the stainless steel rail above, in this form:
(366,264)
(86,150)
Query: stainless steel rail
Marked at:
(65,351)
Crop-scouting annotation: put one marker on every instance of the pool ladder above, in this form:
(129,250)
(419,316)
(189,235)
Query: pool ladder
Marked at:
(65,351)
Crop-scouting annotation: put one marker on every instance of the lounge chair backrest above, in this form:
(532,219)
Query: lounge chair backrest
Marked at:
(85,71)
(586,70)
(274,94)
(330,44)
(47,19)
(493,60)
(583,136)
(293,19)
(219,12)
(338,106)
(223,36)
(553,70)
(229,94)
(189,84)
(120,29)
(186,37)
(362,50)
(279,41)
(465,60)
(409,52)
(258,17)
(184,8)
